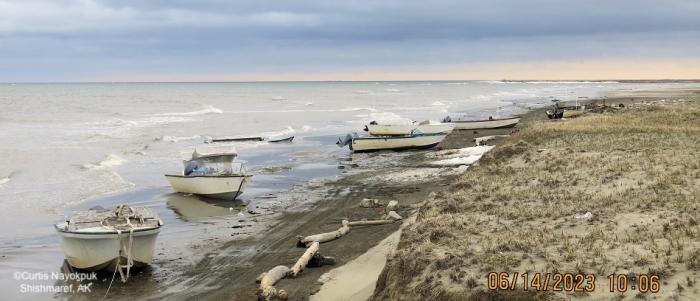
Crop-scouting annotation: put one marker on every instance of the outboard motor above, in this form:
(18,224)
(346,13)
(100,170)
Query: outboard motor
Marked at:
(343,141)
(190,166)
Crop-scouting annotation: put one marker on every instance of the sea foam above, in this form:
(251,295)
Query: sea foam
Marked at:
(111,160)
(207,109)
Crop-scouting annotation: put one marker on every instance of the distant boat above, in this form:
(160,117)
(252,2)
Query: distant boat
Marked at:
(425,127)
(490,123)
(120,238)
(236,139)
(255,138)
(406,142)
(280,139)
(212,172)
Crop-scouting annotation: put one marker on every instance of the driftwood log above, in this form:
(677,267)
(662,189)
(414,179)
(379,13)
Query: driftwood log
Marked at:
(304,259)
(310,258)
(267,289)
(371,223)
(324,237)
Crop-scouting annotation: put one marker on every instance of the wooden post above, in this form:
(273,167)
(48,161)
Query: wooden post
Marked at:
(371,223)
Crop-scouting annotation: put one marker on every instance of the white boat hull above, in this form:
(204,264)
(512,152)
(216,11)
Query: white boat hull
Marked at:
(96,251)
(368,144)
(396,129)
(223,187)
(436,128)
(390,129)
(486,124)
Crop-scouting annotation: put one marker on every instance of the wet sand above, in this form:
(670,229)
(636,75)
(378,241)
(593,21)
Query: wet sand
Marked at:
(228,272)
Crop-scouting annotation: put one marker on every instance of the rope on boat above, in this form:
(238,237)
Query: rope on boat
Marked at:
(125,248)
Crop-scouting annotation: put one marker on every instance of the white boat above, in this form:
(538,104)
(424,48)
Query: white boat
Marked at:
(434,127)
(490,123)
(425,127)
(116,239)
(212,172)
(415,141)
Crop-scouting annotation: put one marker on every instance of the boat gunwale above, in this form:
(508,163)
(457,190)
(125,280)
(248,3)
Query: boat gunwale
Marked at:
(486,120)
(401,148)
(212,176)
(401,136)
(156,230)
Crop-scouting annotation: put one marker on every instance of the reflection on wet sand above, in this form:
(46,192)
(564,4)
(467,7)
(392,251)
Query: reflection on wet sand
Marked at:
(192,207)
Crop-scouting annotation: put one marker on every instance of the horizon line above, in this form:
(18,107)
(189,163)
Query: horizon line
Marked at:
(660,80)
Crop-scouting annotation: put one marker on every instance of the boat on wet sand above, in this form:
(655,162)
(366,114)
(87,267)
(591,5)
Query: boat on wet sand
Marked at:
(434,127)
(117,239)
(394,129)
(212,172)
(405,142)
(491,123)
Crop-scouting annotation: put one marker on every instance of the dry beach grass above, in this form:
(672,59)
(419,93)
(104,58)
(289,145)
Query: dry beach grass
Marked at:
(637,170)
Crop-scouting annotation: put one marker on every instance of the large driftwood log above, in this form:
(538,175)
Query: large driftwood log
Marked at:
(267,290)
(324,237)
(371,223)
(304,259)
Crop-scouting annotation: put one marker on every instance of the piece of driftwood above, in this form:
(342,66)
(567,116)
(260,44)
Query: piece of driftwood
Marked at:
(324,237)
(304,259)
(371,223)
(393,215)
(267,289)
(392,205)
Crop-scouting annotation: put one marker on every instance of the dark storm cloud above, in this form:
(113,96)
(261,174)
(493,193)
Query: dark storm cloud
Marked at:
(74,39)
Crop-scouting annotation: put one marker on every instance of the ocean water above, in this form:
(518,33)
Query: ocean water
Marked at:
(70,146)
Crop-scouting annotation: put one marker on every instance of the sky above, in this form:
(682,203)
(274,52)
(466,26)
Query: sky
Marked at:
(258,40)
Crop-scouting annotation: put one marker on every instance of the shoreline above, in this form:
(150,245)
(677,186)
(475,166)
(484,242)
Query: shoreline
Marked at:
(405,176)
(526,207)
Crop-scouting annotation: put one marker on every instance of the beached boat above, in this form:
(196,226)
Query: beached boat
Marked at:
(116,239)
(280,139)
(212,172)
(491,123)
(248,139)
(390,129)
(377,143)
(434,127)
(425,127)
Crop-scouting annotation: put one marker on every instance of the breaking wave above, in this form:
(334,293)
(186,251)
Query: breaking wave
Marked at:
(208,109)
(177,139)
(111,160)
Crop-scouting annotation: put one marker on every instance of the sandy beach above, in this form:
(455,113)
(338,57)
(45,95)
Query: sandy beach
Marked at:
(214,250)
(606,193)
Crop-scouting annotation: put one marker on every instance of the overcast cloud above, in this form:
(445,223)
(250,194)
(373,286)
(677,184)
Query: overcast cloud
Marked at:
(65,40)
